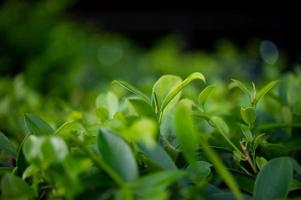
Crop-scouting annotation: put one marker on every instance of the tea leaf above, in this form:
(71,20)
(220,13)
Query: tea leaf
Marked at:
(162,88)
(6,145)
(274,180)
(185,132)
(248,115)
(247,133)
(263,91)
(133,89)
(109,102)
(37,126)
(158,155)
(199,170)
(180,87)
(240,85)
(13,187)
(117,154)
(203,96)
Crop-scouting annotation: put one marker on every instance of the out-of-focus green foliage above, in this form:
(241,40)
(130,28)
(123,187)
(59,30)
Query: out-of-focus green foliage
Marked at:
(214,148)
(68,131)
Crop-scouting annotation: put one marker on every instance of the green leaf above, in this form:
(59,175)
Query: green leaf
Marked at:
(260,162)
(160,179)
(240,85)
(260,139)
(144,130)
(203,96)
(32,149)
(6,145)
(185,131)
(228,196)
(245,182)
(153,186)
(133,89)
(13,187)
(53,149)
(141,107)
(263,91)
(221,169)
(223,129)
(161,89)
(69,128)
(246,132)
(199,170)
(44,151)
(108,101)
(37,126)
(248,115)
(221,125)
(117,154)
(177,89)
(274,180)
(158,155)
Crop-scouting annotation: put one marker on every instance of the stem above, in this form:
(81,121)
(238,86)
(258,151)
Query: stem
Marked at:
(247,156)
(98,161)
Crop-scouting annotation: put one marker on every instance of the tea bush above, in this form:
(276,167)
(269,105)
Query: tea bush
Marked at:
(183,140)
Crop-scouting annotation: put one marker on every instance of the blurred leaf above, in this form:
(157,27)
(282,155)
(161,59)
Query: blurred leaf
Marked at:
(144,130)
(228,196)
(203,96)
(158,155)
(141,107)
(53,149)
(221,125)
(117,154)
(13,187)
(263,91)
(44,151)
(274,180)
(260,162)
(248,115)
(186,134)
(159,179)
(69,127)
(6,145)
(108,101)
(259,139)
(32,149)
(246,132)
(223,129)
(37,126)
(199,170)
(134,90)
(245,182)
(240,85)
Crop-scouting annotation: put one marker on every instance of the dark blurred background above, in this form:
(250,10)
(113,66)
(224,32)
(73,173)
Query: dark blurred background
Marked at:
(201,24)
(81,44)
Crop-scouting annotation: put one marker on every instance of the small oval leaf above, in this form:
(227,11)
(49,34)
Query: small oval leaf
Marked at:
(248,115)
(117,154)
(158,155)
